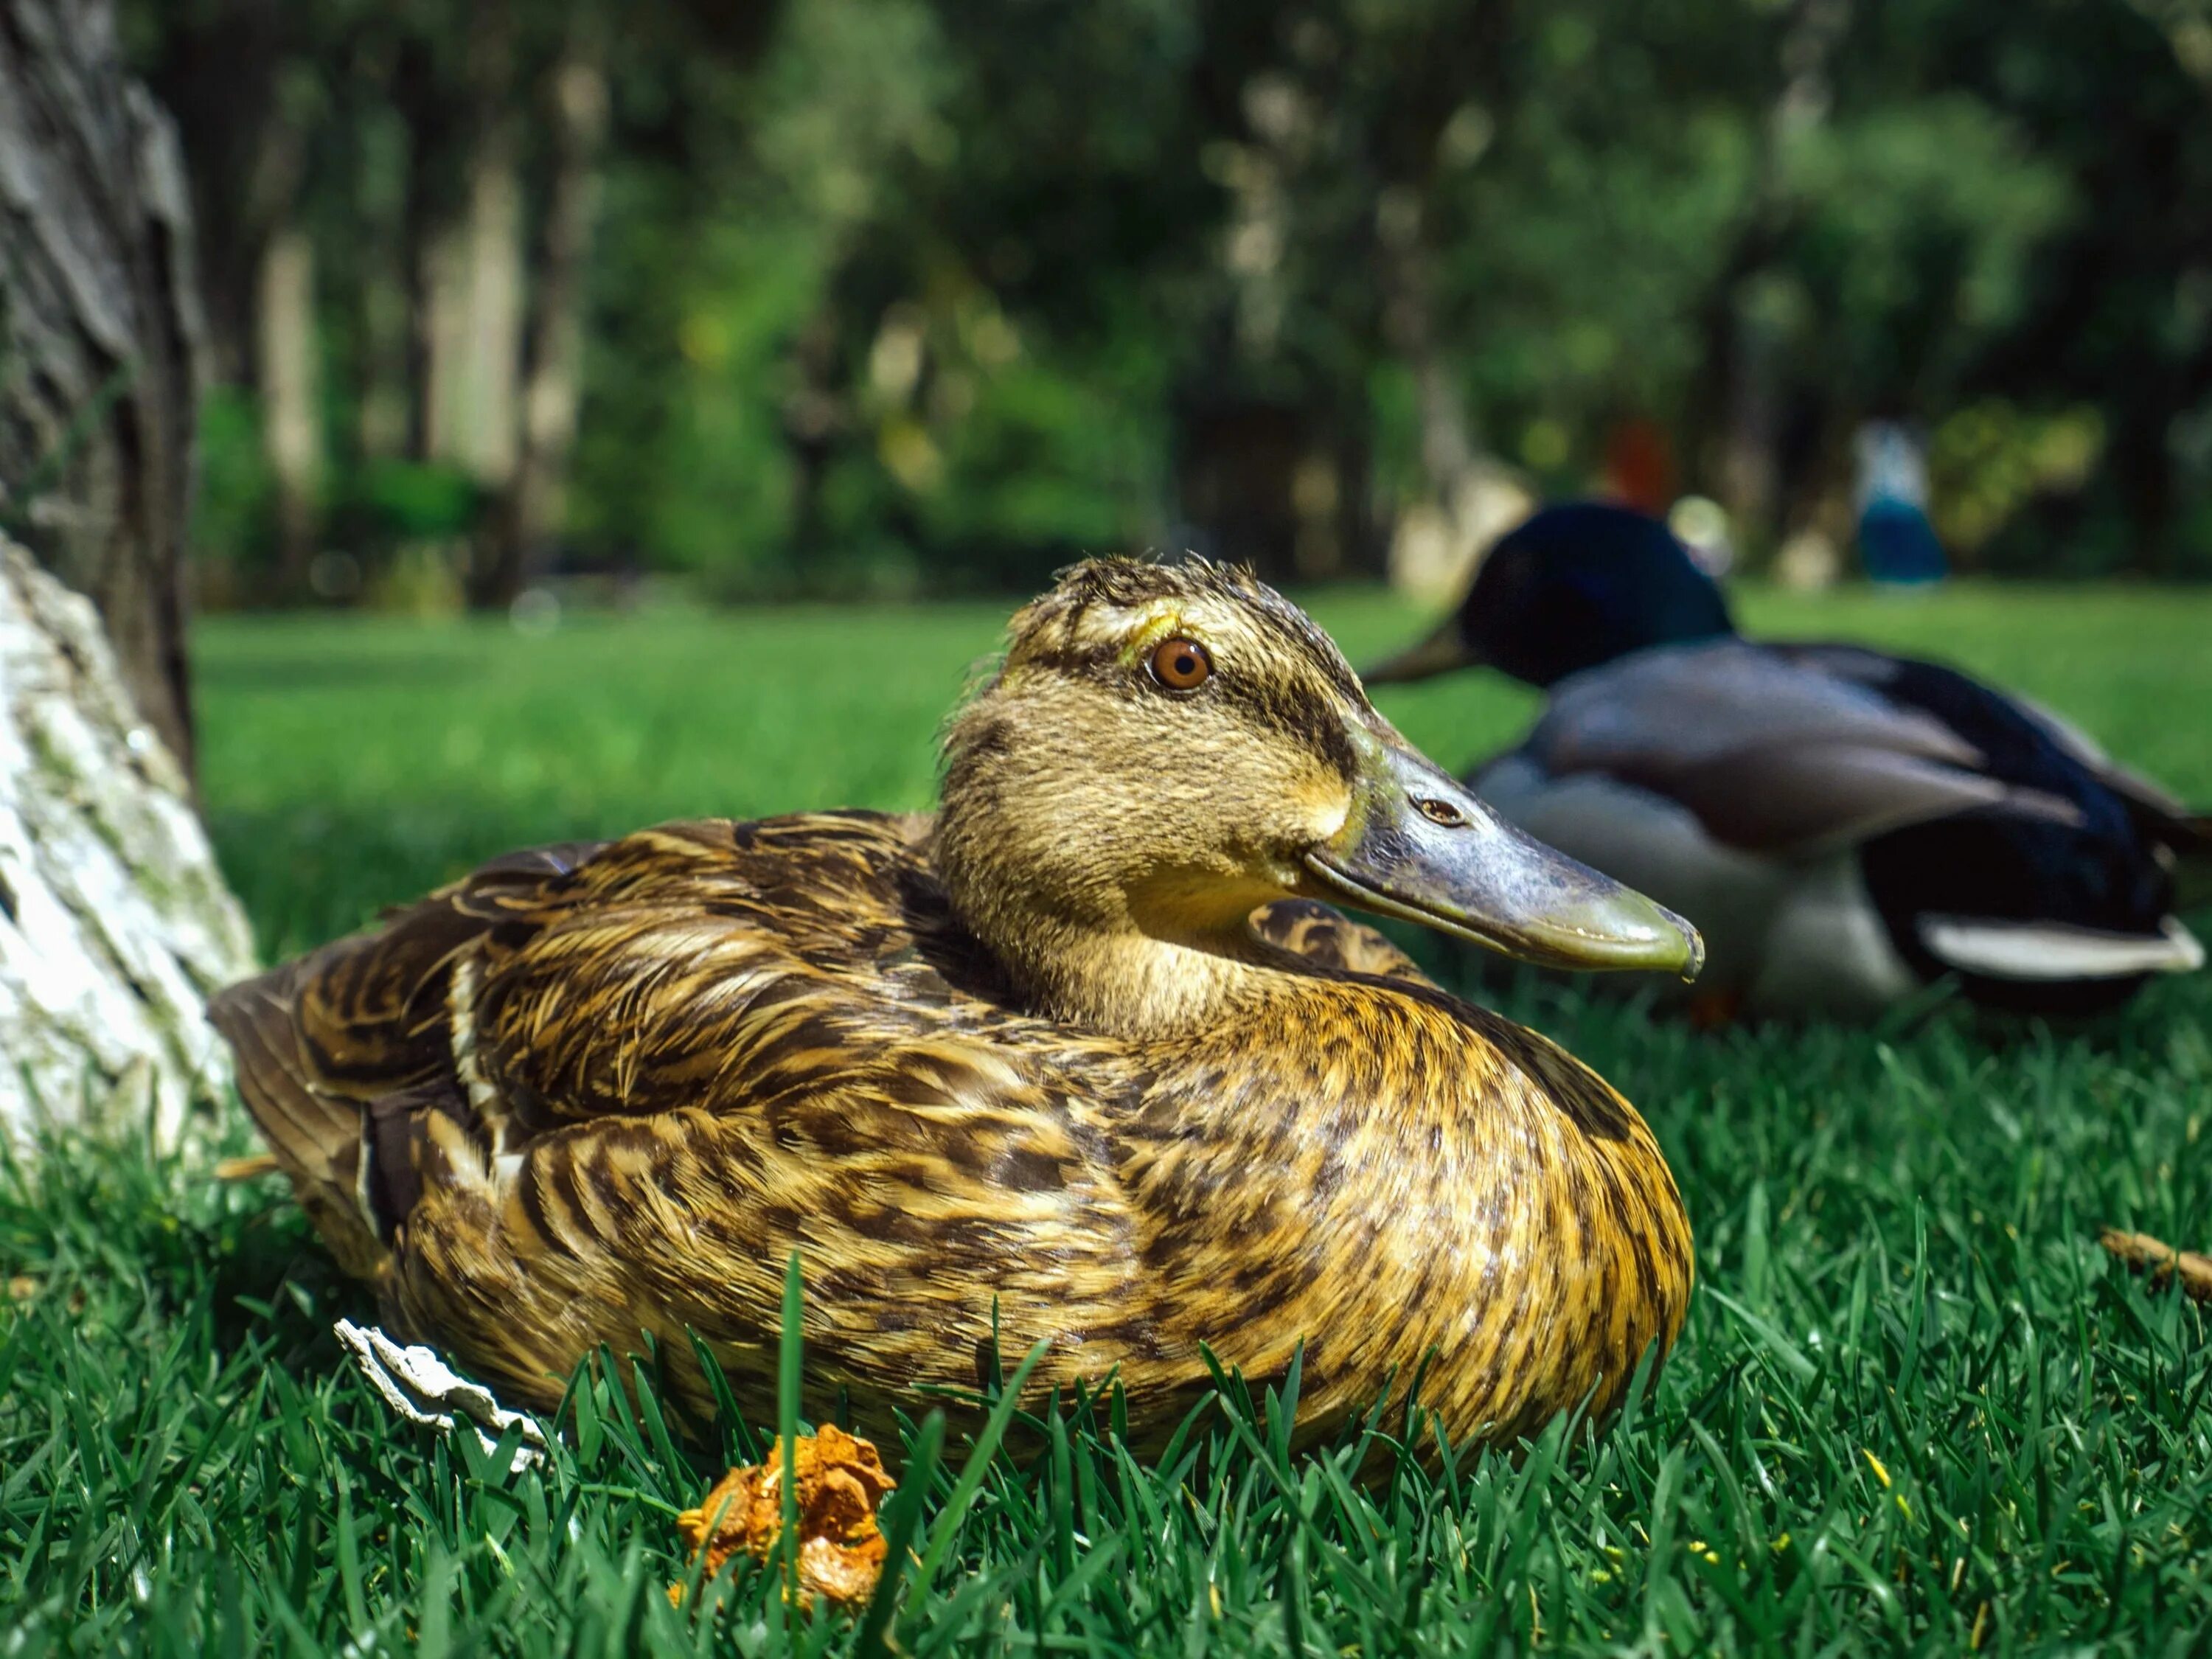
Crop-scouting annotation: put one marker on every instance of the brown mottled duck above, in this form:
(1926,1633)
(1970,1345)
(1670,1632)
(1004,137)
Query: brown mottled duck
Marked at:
(1035,1050)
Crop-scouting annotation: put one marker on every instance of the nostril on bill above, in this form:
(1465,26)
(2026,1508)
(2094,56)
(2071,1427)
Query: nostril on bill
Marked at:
(1439,811)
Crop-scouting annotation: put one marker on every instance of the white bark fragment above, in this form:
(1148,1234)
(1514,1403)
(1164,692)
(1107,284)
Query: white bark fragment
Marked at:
(422,1388)
(114,921)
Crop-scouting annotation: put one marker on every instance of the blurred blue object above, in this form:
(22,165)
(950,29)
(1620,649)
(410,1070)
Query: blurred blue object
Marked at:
(1896,544)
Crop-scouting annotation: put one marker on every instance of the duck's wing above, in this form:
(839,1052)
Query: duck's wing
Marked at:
(549,986)
(1771,753)
(2163,818)
(718,967)
(2087,904)
(649,1078)
(762,1019)
(2159,813)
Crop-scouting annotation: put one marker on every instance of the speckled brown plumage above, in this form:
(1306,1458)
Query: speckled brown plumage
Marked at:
(593,1093)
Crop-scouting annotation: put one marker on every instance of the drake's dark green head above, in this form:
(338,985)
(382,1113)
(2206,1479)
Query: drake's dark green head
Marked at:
(1574,587)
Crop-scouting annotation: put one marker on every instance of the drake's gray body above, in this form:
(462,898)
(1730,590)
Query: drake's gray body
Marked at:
(1739,784)
(1784,935)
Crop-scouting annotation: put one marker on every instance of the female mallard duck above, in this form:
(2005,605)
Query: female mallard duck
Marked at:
(1841,825)
(1034,1053)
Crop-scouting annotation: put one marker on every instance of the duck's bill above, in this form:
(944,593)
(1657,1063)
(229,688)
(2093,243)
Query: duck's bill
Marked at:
(1440,654)
(1420,846)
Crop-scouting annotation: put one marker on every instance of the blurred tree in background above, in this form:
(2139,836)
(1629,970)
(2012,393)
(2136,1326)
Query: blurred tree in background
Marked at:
(841,295)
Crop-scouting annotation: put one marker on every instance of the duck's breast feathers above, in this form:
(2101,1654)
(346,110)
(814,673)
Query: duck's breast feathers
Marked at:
(1326,940)
(1384,1050)
(1777,750)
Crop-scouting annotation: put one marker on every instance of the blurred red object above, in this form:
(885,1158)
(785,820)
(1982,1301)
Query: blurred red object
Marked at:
(1639,465)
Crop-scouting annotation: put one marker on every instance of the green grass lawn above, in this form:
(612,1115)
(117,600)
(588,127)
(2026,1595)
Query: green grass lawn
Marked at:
(1913,1409)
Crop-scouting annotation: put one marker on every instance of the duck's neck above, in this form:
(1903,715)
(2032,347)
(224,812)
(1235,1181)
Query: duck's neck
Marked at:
(1081,954)
(1131,984)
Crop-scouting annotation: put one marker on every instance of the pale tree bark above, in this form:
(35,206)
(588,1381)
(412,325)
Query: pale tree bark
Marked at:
(476,283)
(286,371)
(114,922)
(475,288)
(291,399)
(1475,497)
(100,339)
(2187,26)
(444,329)
(489,434)
(1452,89)
(554,386)
(1447,453)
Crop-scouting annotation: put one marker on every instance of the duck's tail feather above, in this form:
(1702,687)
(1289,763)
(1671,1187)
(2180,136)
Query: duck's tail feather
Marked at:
(2052,952)
(344,1053)
(316,1137)
(2190,835)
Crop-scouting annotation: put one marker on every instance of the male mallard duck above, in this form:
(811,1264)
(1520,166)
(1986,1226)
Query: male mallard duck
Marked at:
(1032,1051)
(1841,825)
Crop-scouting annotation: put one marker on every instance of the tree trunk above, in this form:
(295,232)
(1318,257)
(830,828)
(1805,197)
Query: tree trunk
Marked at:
(114,922)
(554,384)
(291,401)
(383,367)
(474,284)
(1742,356)
(474,291)
(491,373)
(100,339)
(1473,498)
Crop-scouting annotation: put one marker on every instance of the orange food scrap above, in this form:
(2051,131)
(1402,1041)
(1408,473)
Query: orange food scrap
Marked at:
(840,1481)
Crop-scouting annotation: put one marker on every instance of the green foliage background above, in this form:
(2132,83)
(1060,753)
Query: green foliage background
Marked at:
(890,294)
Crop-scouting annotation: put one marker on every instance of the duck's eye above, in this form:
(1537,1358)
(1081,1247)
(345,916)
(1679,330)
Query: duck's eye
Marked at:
(1181,665)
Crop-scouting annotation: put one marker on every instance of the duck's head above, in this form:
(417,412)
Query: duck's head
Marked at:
(1574,586)
(1166,748)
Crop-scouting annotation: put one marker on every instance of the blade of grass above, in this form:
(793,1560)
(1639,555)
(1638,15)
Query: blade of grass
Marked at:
(899,1526)
(790,1360)
(972,1472)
